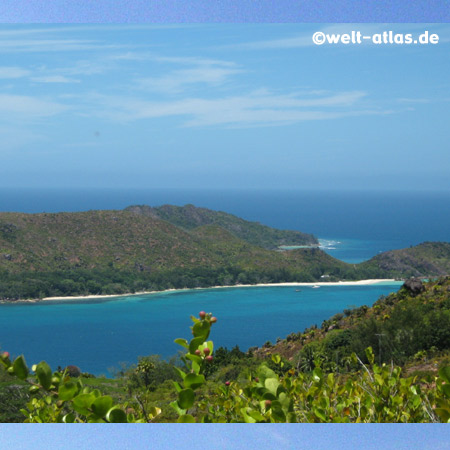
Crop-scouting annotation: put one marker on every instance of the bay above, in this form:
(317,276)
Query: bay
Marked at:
(97,335)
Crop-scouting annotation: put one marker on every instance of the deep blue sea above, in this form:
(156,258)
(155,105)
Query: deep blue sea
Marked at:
(98,335)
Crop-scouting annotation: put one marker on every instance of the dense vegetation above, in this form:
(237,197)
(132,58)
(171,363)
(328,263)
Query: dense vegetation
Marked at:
(190,217)
(319,375)
(432,258)
(410,324)
(114,252)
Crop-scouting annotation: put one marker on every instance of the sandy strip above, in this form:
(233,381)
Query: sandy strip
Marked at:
(293,284)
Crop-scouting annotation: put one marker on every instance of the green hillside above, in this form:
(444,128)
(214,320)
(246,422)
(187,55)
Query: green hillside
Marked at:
(410,327)
(421,260)
(126,241)
(189,217)
(113,252)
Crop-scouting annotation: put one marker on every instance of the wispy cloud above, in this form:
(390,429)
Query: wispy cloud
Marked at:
(13,72)
(54,79)
(29,107)
(255,109)
(176,81)
(414,100)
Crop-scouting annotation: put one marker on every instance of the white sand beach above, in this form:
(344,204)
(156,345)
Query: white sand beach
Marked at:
(293,284)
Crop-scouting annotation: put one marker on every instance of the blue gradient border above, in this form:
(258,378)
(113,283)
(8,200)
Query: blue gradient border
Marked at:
(215,11)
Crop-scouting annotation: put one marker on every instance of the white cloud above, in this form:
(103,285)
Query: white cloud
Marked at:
(28,106)
(54,79)
(193,60)
(175,81)
(13,72)
(256,109)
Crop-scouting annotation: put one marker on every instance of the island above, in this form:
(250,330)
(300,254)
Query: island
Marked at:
(141,249)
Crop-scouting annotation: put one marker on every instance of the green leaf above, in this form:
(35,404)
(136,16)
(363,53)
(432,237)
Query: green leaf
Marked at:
(116,415)
(181,373)
(33,389)
(379,379)
(193,381)
(182,342)
(444,373)
(277,412)
(175,406)
(82,403)
(446,390)
(320,413)
(247,417)
(272,384)
(269,396)
(95,419)
(186,398)
(186,418)
(256,415)
(317,375)
(194,358)
(276,359)
(69,418)
(20,367)
(443,413)
(44,374)
(264,372)
(102,405)
(285,401)
(369,354)
(196,367)
(67,391)
(201,329)
(330,380)
(96,393)
(195,343)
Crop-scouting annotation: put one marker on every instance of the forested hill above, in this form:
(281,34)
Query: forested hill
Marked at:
(124,240)
(113,252)
(189,217)
(427,258)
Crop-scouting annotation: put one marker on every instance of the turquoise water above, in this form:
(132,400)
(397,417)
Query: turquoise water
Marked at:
(99,335)
(356,250)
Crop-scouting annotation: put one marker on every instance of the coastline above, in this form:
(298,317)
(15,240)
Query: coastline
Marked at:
(288,284)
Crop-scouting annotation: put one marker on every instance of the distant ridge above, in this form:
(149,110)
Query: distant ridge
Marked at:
(189,217)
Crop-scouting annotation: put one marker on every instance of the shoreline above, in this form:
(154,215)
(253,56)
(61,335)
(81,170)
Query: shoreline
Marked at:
(367,282)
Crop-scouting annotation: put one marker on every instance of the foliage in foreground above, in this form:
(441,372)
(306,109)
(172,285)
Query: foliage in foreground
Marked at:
(375,393)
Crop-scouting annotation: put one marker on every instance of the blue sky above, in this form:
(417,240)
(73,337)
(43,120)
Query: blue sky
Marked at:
(251,437)
(222,106)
